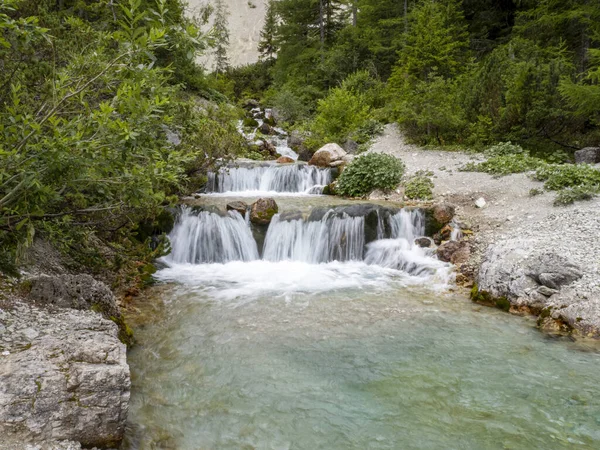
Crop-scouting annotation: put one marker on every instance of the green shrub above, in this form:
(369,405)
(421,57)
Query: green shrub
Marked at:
(290,107)
(560,176)
(419,187)
(369,172)
(505,165)
(571,195)
(505,149)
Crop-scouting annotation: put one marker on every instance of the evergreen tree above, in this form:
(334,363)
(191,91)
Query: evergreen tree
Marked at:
(221,36)
(267,46)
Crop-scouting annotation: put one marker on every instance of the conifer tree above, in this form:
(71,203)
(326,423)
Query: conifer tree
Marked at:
(267,47)
(221,36)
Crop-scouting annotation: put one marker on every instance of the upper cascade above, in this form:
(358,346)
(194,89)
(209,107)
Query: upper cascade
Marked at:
(291,178)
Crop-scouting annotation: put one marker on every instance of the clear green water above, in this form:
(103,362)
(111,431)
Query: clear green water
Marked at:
(346,356)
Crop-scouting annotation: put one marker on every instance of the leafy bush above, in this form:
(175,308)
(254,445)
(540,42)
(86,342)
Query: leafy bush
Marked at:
(369,172)
(561,176)
(505,149)
(290,107)
(419,187)
(571,195)
(338,115)
(505,165)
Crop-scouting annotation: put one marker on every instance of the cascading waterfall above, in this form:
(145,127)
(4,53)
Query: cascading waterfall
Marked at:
(331,239)
(206,237)
(400,252)
(293,178)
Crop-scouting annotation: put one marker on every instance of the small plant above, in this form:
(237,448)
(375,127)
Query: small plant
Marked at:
(560,176)
(535,192)
(369,172)
(419,187)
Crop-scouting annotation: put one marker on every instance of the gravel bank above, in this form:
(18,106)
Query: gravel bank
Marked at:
(513,231)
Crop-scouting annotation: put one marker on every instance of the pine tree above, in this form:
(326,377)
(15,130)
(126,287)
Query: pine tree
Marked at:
(267,47)
(221,36)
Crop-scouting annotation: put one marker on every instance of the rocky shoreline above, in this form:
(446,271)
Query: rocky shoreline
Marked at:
(526,256)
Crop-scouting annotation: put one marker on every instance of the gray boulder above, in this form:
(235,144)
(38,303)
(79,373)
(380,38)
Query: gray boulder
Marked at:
(74,291)
(63,376)
(588,155)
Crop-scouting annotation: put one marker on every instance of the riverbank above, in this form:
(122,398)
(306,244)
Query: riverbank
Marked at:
(518,238)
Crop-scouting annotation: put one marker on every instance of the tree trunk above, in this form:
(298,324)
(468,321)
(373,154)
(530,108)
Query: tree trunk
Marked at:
(322,27)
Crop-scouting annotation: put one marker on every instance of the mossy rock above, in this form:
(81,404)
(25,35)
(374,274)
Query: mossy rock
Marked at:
(249,122)
(487,299)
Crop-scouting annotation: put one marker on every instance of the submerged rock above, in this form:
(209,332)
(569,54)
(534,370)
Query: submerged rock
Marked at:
(424,242)
(263,210)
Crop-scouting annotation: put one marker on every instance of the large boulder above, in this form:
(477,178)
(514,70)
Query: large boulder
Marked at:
(588,155)
(63,376)
(330,155)
(74,291)
(263,210)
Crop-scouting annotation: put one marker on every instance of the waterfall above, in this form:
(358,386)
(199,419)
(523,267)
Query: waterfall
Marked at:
(333,238)
(298,178)
(206,237)
(400,252)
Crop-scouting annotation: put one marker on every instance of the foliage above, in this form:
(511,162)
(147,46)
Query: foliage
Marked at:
(267,46)
(505,165)
(369,172)
(571,195)
(560,176)
(97,132)
(221,37)
(419,187)
(504,149)
(339,114)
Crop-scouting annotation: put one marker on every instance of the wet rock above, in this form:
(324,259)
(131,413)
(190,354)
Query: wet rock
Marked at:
(240,207)
(304,154)
(74,291)
(69,382)
(454,252)
(328,156)
(263,210)
(285,160)
(424,242)
(290,216)
(265,128)
(443,213)
(588,155)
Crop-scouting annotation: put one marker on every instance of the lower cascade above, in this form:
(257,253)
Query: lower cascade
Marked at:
(208,237)
(292,178)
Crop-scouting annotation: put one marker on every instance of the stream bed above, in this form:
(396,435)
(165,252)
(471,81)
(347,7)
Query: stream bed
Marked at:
(291,353)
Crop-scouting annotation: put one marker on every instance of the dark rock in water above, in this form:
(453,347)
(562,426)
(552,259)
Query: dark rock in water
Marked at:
(259,233)
(268,149)
(250,122)
(424,242)
(443,213)
(263,210)
(553,270)
(443,235)
(270,120)
(454,252)
(350,146)
(285,160)
(330,189)
(250,104)
(74,291)
(240,207)
(265,128)
(291,215)
(588,155)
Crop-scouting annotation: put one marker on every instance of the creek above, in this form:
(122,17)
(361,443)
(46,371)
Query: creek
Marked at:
(331,329)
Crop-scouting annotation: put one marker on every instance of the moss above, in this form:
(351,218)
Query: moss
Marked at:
(487,299)
(250,122)
(503,304)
